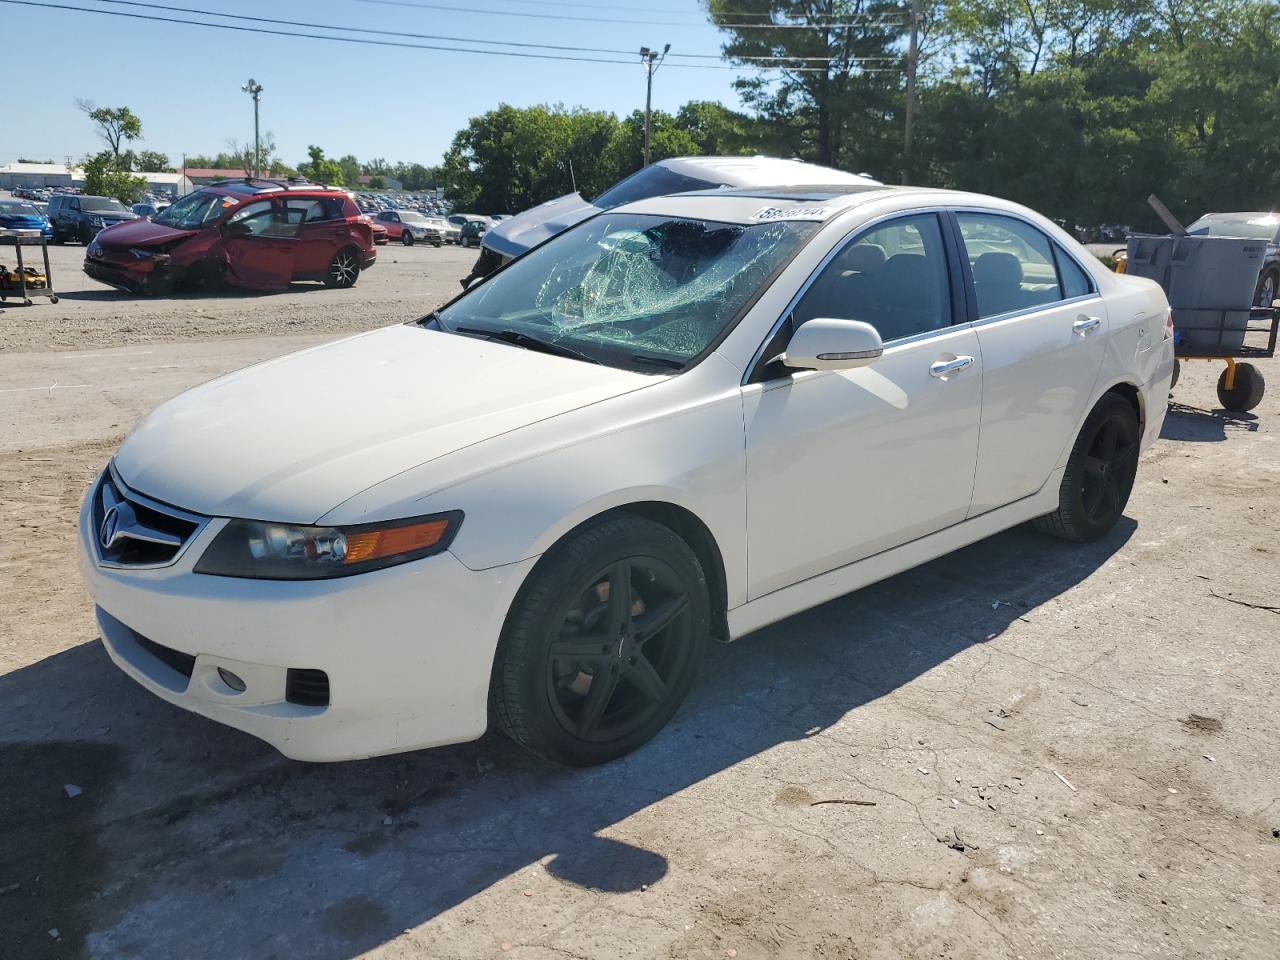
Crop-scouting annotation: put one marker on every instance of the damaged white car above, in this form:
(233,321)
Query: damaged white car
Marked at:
(682,419)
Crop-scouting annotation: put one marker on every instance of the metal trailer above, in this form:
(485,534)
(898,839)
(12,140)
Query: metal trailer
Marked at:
(21,290)
(1241,386)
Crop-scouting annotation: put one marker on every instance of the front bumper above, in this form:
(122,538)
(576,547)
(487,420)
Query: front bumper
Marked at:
(407,650)
(131,278)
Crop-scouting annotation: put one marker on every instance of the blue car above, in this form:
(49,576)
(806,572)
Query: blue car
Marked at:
(20,215)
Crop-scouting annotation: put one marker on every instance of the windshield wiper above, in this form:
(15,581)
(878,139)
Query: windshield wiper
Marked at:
(658,361)
(516,338)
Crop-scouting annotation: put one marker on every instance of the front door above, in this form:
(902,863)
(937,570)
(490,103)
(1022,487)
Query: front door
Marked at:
(843,465)
(261,246)
(1041,329)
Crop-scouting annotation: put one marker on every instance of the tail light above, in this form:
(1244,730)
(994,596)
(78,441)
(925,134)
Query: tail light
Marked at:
(1168,324)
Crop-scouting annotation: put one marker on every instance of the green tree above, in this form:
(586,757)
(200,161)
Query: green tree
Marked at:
(376,182)
(153,161)
(103,177)
(351,170)
(823,82)
(321,169)
(116,125)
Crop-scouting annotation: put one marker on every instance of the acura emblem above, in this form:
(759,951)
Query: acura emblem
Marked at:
(118,518)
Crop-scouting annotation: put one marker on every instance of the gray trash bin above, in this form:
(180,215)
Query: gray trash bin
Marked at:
(1209,281)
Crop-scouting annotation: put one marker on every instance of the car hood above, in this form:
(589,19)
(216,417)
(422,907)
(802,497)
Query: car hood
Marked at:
(22,221)
(141,233)
(525,230)
(290,439)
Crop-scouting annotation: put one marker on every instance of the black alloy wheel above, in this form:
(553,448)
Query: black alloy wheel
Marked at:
(1099,475)
(603,644)
(344,269)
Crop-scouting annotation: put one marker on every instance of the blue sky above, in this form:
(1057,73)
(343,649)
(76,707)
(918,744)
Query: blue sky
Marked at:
(184,81)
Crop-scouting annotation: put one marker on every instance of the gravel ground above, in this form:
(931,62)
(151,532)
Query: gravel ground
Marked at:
(1029,749)
(405,283)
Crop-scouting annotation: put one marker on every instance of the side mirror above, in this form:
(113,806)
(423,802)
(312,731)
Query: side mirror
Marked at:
(826,344)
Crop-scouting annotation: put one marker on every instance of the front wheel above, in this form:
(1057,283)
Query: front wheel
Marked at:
(1246,390)
(343,270)
(406,238)
(603,643)
(1100,473)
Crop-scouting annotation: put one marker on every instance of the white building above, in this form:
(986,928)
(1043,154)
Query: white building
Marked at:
(59,175)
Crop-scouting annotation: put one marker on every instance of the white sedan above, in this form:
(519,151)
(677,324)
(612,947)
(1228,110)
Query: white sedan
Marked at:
(683,419)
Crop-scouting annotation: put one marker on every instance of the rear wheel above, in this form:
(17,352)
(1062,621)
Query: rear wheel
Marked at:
(1268,288)
(1100,473)
(344,269)
(603,642)
(1247,390)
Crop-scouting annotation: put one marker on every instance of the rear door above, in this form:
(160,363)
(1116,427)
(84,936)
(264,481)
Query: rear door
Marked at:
(1041,328)
(261,246)
(320,229)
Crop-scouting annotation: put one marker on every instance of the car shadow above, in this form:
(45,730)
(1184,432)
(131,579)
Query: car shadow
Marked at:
(189,839)
(191,294)
(1194,425)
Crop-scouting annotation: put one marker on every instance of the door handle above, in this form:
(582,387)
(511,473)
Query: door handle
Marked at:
(1085,325)
(942,368)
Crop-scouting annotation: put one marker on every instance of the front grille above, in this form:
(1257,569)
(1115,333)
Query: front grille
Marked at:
(184,663)
(131,530)
(307,688)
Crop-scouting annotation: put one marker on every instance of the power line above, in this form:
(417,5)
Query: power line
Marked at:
(649,8)
(238,28)
(849,21)
(434,36)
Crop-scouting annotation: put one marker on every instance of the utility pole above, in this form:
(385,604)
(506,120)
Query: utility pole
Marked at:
(651,59)
(254,89)
(913,57)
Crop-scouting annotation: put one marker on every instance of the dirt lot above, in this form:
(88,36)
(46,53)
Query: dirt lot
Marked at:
(1067,751)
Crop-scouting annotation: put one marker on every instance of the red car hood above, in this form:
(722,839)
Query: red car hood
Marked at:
(141,233)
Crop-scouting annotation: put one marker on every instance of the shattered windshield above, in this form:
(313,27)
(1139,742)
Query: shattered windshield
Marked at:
(194,210)
(631,290)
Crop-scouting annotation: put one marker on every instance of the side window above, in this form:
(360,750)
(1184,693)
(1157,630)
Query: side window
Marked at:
(893,277)
(1075,282)
(74,204)
(298,212)
(255,220)
(1012,262)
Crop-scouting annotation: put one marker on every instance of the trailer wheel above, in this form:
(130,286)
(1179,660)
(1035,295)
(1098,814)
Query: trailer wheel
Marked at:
(1247,391)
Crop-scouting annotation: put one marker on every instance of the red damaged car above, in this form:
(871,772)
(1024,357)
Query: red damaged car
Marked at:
(259,234)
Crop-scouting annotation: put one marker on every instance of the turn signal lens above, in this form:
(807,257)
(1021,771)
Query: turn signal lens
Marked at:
(281,551)
(376,544)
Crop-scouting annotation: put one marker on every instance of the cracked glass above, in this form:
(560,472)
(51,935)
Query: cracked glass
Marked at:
(632,290)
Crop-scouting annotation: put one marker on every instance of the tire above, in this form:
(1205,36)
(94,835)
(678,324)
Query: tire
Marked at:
(344,269)
(406,238)
(438,244)
(1247,391)
(1177,372)
(563,637)
(1100,473)
(1268,290)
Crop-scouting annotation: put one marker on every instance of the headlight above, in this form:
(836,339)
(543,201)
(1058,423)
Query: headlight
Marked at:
(281,551)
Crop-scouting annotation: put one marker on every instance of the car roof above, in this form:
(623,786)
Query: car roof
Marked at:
(761,171)
(257,185)
(760,204)
(819,203)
